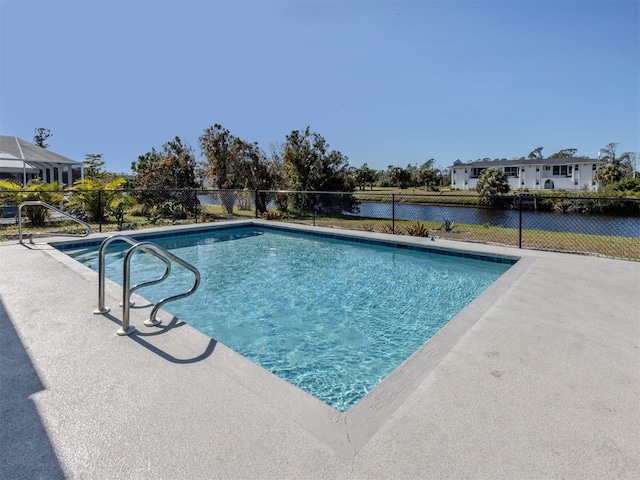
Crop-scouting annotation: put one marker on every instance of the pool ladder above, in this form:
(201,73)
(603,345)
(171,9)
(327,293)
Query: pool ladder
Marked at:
(148,247)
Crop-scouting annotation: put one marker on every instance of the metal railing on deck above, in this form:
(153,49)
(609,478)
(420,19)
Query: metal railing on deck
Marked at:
(57,210)
(127,290)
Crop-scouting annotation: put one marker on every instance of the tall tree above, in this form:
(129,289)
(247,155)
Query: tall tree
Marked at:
(93,166)
(233,163)
(40,137)
(310,166)
(167,175)
(219,147)
(565,153)
(364,176)
(616,167)
(492,182)
(444,177)
(399,176)
(536,153)
(428,174)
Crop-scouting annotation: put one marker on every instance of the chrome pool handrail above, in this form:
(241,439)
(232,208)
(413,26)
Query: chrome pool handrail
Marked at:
(101,269)
(126,329)
(57,210)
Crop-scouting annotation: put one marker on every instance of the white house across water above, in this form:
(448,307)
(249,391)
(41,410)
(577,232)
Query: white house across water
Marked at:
(533,174)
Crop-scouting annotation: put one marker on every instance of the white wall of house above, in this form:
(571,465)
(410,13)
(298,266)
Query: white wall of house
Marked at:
(570,176)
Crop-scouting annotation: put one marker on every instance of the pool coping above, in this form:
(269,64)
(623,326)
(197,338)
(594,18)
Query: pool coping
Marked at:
(546,384)
(346,432)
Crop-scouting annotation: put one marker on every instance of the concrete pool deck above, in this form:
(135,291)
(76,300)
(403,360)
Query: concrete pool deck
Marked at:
(544,382)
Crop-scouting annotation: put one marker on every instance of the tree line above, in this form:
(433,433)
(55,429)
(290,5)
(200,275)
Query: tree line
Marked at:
(304,162)
(163,179)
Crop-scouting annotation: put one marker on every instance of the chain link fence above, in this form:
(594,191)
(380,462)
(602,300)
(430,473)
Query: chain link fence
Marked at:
(586,225)
(608,226)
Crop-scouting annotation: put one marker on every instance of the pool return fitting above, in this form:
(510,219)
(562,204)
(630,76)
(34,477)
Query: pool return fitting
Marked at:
(147,247)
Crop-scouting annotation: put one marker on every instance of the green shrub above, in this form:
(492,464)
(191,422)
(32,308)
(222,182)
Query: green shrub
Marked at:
(417,230)
(447,225)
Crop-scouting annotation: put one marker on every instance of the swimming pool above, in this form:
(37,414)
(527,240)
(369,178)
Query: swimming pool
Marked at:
(330,314)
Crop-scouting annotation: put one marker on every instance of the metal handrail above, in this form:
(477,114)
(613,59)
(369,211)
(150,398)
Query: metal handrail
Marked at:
(50,207)
(126,329)
(101,269)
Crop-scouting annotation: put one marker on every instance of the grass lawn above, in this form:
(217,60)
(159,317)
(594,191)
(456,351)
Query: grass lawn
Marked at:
(610,246)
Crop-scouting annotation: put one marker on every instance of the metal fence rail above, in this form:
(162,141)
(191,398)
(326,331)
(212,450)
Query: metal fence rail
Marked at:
(588,225)
(608,226)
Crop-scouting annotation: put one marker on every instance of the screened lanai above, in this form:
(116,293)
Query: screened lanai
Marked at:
(22,161)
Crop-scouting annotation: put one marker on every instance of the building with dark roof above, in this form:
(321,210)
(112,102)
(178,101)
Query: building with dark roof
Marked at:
(22,161)
(573,173)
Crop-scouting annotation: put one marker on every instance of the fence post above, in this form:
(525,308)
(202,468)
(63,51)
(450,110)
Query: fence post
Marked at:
(256,203)
(520,221)
(393,213)
(195,204)
(100,211)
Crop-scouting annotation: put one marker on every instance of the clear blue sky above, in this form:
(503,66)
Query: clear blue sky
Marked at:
(387,83)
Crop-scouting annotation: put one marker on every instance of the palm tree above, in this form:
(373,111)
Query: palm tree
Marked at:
(616,168)
(92,196)
(492,183)
(15,193)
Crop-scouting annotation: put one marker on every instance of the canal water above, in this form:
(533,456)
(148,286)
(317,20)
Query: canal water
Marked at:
(531,220)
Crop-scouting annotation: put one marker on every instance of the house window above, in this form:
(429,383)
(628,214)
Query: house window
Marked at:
(547,168)
(562,171)
(594,167)
(511,171)
(475,172)
(537,169)
(576,167)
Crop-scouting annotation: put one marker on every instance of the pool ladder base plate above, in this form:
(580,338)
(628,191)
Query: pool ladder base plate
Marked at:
(122,332)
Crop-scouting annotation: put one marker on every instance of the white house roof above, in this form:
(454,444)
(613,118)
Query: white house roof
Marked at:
(16,151)
(528,161)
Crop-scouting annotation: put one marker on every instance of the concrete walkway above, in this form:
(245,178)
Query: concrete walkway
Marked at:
(544,383)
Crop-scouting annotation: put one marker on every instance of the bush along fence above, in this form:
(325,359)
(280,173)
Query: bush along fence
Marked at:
(608,226)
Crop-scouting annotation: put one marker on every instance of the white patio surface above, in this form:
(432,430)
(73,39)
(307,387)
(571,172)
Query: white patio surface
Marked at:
(545,383)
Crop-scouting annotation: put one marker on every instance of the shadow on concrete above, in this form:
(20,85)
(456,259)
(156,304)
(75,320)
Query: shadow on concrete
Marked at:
(138,337)
(25,449)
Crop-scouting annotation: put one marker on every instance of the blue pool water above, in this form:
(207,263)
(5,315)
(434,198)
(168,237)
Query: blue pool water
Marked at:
(332,317)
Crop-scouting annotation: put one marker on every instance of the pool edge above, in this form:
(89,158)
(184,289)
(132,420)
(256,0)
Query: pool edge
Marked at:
(345,432)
